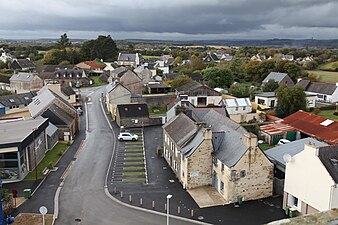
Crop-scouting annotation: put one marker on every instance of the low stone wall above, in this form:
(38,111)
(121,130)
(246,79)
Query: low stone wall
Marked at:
(154,100)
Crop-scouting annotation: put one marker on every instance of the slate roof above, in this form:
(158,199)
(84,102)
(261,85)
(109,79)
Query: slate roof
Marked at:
(51,129)
(67,90)
(18,99)
(67,72)
(311,125)
(189,87)
(228,139)
(171,76)
(119,71)
(133,110)
(22,77)
(22,63)
(293,148)
(127,57)
(193,143)
(184,125)
(57,116)
(316,87)
(110,87)
(329,157)
(278,77)
(198,113)
(41,102)
(51,68)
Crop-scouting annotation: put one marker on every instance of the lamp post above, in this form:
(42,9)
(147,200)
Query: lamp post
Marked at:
(168,198)
(36,166)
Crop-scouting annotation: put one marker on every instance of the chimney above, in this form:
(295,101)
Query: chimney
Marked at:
(208,133)
(299,79)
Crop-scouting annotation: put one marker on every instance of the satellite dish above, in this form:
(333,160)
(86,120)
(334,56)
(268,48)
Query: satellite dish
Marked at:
(287,158)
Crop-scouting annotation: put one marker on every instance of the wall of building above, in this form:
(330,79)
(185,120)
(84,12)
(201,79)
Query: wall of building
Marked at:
(154,100)
(211,100)
(132,122)
(40,145)
(239,110)
(246,117)
(132,82)
(305,176)
(251,178)
(118,96)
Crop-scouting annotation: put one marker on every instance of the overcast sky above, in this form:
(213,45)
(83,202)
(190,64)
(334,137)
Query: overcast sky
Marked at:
(170,19)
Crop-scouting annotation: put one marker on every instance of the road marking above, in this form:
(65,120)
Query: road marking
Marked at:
(64,175)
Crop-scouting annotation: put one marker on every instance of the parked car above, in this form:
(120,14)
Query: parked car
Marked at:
(126,136)
(283,141)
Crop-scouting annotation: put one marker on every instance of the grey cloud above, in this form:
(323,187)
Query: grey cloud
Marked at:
(189,18)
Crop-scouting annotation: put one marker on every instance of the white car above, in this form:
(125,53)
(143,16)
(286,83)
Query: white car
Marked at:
(126,136)
(283,141)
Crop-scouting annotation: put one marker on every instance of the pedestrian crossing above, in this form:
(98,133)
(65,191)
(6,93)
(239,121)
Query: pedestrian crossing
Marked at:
(129,161)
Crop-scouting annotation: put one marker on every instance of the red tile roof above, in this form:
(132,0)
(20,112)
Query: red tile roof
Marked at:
(312,125)
(95,65)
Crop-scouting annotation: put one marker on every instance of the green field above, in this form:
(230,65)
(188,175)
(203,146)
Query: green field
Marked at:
(328,114)
(329,66)
(325,76)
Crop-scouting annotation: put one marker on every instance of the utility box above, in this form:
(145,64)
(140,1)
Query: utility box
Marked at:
(27,193)
(292,212)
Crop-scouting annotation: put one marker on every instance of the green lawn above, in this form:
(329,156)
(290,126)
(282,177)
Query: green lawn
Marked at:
(133,168)
(129,174)
(265,146)
(97,81)
(51,157)
(134,163)
(325,76)
(328,114)
(329,66)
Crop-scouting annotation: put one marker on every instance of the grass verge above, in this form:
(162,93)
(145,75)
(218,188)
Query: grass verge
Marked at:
(134,163)
(129,174)
(97,81)
(50,159)
(133,168)
(328,114)
(133,158)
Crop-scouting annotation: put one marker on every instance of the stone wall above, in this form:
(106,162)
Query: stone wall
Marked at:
(154,100)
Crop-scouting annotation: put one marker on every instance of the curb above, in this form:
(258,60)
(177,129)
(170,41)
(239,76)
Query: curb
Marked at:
(106,191)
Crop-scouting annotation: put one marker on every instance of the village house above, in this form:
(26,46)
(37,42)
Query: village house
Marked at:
(311,180)
(323,91)
(23,145)
(161,65)
(5,57)
(24,65)
(15,105)
(280,78)
(116,93)
(59,112)
(25,82)
(287,57)
(129,59)
(65,92)
(268,100)
(145,74)
(211,57)
(214,150)
(279,153)
(132,115)
(116,74)
(132,81)
(199,95)
(93,68)
(236,106)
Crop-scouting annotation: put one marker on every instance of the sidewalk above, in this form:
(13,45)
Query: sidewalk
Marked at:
(44,195)
(162,182)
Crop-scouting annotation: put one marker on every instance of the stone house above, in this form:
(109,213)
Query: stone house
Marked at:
(311,179)
(24,65)
(25,82)
(132,115)
(144,73)
(59,112)
(213,150)
(116,74)
(116,94)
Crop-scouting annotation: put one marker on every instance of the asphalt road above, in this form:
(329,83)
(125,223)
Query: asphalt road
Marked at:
(82,198)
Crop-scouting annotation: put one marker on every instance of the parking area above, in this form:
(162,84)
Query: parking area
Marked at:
(129,161)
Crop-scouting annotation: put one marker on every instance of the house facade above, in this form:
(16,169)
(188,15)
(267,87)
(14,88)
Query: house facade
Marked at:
(129,59)
(324,92)
(116,94)
(199,95)
(132,81)
(132,115)
(311,180)
(214,150)
(25,82)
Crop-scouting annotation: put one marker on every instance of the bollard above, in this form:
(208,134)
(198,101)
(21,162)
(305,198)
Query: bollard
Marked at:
(165,207)
(141,201)
(178,209)
(153,204)
(114,190)
(121,194)
(192,213)
(129,198)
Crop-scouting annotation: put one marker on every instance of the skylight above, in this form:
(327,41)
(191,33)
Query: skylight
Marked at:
(326,122)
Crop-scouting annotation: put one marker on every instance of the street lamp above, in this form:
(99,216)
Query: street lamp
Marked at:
(168,197)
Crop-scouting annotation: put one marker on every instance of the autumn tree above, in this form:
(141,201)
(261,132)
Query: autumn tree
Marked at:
(180,81)
(290,100)
(218,77)
(271,85)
